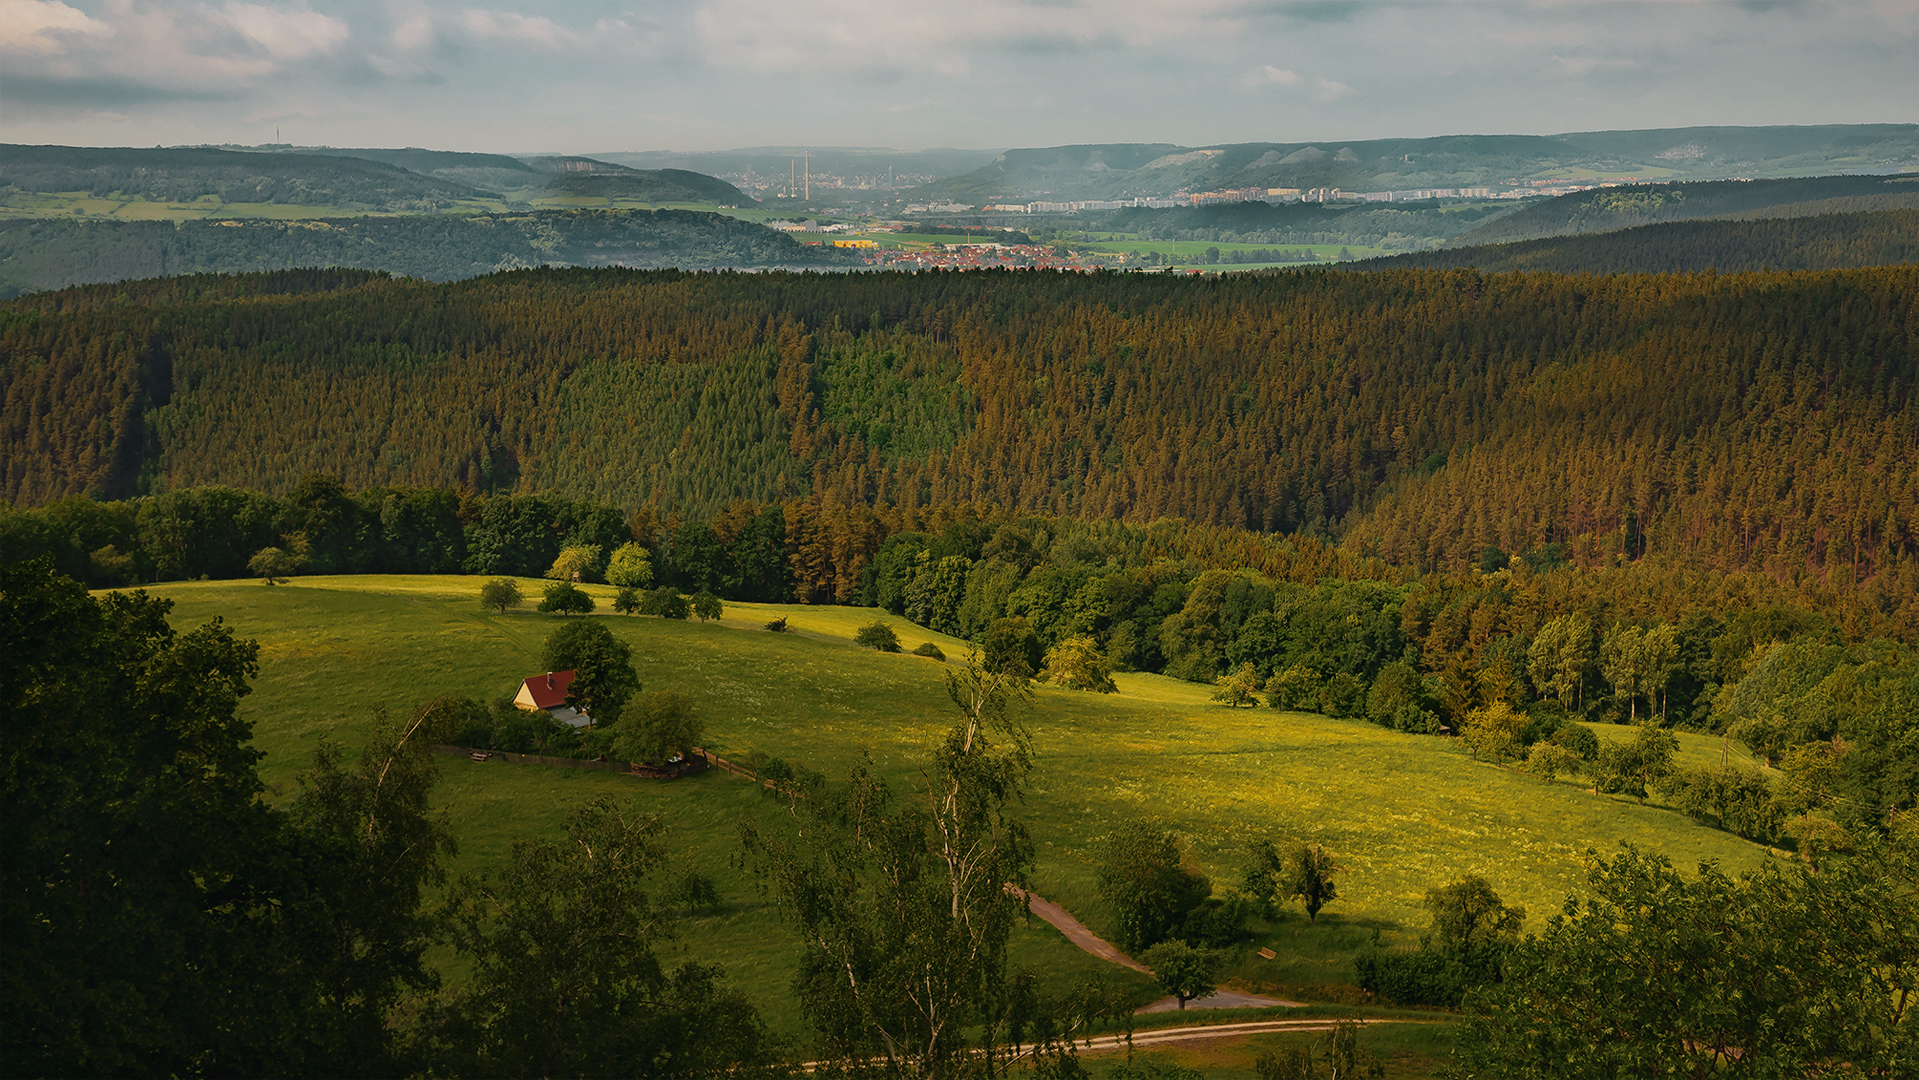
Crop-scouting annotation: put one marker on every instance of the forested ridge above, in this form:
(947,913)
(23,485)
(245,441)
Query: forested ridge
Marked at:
(42,253)
(182,174)
(1822,242)
(1745,422)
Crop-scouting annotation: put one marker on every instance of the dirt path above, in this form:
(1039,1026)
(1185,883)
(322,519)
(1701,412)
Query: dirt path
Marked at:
(1076,932)
(1195,1033)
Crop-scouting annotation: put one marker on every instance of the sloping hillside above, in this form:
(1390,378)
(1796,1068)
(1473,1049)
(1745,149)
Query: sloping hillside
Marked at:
(54,253)
(1818,242)
(1136,169)
(186,174)
(1751,422)
(1606,209)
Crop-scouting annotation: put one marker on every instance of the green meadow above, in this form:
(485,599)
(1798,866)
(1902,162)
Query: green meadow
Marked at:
(1402,813)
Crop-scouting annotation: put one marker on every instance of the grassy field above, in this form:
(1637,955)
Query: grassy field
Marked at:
(1403,813)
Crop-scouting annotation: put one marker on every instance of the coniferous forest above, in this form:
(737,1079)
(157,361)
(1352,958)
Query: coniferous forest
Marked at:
(1436,500)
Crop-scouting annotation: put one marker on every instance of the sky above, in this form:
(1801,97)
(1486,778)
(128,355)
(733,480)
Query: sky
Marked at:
(572,76)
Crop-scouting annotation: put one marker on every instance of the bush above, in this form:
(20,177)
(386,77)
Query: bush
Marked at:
(930,651)
(778,626)
(628,601)
(1239,688)
(565,598)
(666,602)
(878,634)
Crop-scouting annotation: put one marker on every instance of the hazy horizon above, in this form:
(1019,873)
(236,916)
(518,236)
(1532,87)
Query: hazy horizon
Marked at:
(603,77)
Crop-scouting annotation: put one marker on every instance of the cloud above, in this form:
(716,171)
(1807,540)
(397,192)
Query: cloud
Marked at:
(1268,75)
(287,34)
(1325,90)
(43,26)
(537,30)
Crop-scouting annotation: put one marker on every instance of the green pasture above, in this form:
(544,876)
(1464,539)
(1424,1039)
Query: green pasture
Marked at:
(1403,813)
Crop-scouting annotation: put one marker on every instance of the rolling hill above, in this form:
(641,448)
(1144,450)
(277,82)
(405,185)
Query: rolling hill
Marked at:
(188,174)
(1102,171)
(1832,241)
(1606,209)
(48,254)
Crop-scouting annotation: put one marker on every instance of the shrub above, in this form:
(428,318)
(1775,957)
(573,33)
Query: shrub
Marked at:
(629,601)
(1239,688)
(778,626)
(666,602)
(878,634)
(930,651)
(565,598)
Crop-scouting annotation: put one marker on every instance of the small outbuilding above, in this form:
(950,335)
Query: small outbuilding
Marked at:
(547,693)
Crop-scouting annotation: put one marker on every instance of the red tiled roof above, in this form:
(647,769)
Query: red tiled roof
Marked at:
(549,690)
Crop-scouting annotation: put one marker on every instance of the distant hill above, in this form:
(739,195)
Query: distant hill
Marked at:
(44,253)
(1605,209)
(1824,242)
(492,172)
(1140,169)
(186,174)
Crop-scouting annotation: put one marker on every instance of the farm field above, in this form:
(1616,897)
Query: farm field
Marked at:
(1403,813)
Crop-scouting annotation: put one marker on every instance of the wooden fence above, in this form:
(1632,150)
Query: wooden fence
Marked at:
(698,764)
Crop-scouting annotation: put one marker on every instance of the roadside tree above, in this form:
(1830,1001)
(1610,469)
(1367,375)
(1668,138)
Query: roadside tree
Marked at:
(1143,877)
(1181,970)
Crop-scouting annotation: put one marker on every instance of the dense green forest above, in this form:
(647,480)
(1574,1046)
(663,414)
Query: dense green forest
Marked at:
(188,173)
(54,253)
(1825,242)
(1756,422)
(1608,208)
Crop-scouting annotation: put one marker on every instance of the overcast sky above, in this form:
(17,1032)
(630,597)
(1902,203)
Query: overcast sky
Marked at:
(581,77)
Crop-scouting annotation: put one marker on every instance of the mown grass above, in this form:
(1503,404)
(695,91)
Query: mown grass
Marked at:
(1402,813)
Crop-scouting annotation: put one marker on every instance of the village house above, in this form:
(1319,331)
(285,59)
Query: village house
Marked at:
(547,693)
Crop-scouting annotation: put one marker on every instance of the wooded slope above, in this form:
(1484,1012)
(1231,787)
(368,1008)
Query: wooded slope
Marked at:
(1824,242)
(54,253)
(1756,421)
